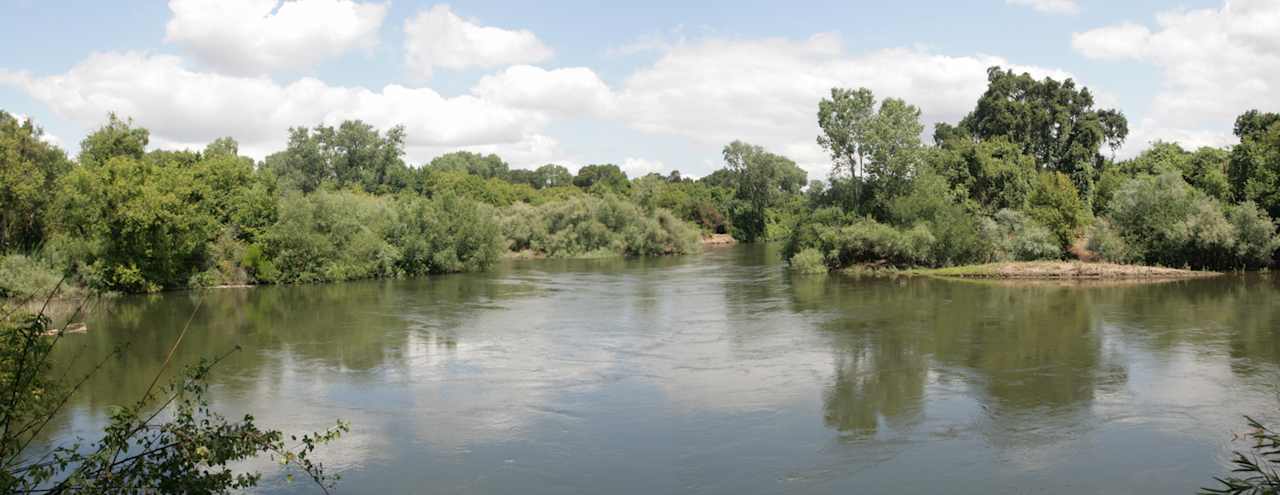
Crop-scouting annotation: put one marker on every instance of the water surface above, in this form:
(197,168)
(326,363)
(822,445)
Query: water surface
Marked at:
(722,373)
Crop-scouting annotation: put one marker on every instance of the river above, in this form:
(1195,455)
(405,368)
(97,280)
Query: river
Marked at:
(721,373)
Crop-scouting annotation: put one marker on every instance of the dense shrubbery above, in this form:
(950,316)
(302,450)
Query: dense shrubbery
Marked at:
(1163,220)
(337,204)
(593,226)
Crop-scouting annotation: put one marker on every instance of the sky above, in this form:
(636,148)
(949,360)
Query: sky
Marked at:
(652,86)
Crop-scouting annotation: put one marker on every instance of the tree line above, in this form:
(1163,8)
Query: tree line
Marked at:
(341,203)
(1030,174)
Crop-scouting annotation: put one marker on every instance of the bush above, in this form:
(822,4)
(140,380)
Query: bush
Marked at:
(863,241)
(1256,239)
(1165,221)
(593,226)
(24,276)
(1017,237)
(1056,204)
(1106,242)
(809,261)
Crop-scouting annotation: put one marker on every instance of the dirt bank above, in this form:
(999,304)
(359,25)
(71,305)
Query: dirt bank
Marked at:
(1063,270)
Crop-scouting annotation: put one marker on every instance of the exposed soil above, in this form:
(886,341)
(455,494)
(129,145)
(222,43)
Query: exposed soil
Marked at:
(1065,270)
(718,240)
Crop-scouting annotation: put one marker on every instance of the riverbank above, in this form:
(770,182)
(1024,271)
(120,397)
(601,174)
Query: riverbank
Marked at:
(1054,270)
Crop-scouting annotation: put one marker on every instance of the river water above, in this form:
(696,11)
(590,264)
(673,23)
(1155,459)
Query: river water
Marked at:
(721,373)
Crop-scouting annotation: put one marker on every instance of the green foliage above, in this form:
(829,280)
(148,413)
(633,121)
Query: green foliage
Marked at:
(1256,471)
(606,177)
(879,148)
(1254,170)
(760,180)
(843,241)
(1164,220)
(445,234)
(23,276)
(809,261)
(354,153)
(484,166)
(1107,243)
(594,226)
(1017,237)
(29,169)
(1052,121)
(994,173)
(170,441)
(1055,204)
(133,224)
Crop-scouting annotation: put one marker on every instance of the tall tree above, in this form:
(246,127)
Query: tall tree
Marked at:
(29,167)
(353,153)
(845,119)
(1254,170)
(488,166)
(606,175)
(1053,121)
(760,178)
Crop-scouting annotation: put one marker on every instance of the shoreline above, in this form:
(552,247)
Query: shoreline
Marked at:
(1062,270)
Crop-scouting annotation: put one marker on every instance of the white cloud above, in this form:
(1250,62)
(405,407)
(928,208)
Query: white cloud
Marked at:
(183,107)
(766,91)
(439,38)
(1068,7)
(1216,64)
(569,91)
(639,167)
(249,37)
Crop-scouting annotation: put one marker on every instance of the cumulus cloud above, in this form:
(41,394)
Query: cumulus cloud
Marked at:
(249,37)
(439,38)
(184,107)
(766,91)
(1068,7)
(569,91)
(1217,63)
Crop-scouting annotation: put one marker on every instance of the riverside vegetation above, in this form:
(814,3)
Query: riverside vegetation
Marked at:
(1025,176)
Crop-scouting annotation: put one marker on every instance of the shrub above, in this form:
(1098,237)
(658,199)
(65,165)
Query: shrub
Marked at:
(864,241)
(1256,238)
(1015,236)
(593,226)
(1165,221)
(1056,204)
(1106,242)
(809,261)
(24,276)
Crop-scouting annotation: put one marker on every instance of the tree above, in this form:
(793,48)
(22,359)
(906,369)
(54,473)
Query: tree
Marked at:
(760,178)
(994,173)
(845,119)
(1052,121)
(1055,203)
(354,153)
(29,168)
(552,175)
(488,166)
(879,147)
(1254,169)
(116,138)
(608,176)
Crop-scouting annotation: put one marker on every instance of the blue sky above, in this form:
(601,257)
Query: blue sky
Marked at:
(653,85)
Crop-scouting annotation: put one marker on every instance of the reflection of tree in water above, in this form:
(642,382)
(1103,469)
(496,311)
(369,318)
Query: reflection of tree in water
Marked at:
(1237,313)
(1026,348)
(350,326)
